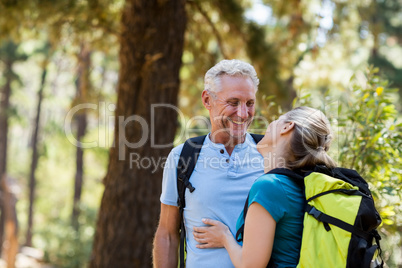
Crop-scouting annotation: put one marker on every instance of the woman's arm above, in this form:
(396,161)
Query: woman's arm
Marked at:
(258,239)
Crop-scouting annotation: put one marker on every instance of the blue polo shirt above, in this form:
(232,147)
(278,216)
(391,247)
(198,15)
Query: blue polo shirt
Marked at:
(222,183)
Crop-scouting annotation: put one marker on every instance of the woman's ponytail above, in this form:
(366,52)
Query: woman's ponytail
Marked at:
(311,139)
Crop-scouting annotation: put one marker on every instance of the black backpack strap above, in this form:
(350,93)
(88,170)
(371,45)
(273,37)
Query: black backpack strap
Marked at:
(240,231)
(256,137)
(188,159)
(325,218)
(351,176)
(296,176)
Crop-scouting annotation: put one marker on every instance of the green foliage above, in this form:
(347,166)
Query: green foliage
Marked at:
(380,26)
(64,246)
(67,23)
(372,136)
(389,70)
(53,233)
(372,142)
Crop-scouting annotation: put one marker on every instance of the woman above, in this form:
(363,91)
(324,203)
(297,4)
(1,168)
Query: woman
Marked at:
(298,140)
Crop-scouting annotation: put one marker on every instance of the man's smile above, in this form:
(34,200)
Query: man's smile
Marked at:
(237,122)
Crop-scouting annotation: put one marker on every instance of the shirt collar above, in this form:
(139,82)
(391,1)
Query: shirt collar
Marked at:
(249,141)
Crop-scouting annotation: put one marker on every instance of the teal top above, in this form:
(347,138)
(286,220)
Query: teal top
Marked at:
(284,200)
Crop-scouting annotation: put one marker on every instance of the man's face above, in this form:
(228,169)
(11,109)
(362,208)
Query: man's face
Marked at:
(232,108)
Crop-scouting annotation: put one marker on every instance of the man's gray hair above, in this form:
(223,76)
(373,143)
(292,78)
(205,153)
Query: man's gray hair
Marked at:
(229,67)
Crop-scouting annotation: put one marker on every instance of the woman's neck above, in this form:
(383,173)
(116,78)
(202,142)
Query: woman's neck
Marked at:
(273,160)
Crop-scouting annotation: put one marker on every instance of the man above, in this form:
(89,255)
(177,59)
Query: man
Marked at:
(227,166)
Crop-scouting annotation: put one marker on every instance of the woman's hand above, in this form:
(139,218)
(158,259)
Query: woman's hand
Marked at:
(213,236)
(259,233)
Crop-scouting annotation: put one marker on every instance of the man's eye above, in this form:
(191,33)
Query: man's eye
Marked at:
(250,104)
(234,103)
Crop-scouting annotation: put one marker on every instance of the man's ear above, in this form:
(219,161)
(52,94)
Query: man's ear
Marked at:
(287,127)
(206,99)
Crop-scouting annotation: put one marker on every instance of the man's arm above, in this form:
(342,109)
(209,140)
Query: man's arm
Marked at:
(167,239)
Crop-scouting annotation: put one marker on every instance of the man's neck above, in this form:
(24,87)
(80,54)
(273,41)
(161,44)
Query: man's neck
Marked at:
(228,141)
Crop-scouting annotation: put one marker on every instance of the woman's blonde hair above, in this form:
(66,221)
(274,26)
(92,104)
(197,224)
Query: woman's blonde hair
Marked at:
(310,140)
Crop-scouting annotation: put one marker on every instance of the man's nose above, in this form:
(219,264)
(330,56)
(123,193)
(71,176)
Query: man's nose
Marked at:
(242,111)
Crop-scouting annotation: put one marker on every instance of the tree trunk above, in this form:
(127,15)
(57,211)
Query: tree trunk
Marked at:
(82,86)
(150,59)
(4,108)
(11,222)
(81,121)
(35,157)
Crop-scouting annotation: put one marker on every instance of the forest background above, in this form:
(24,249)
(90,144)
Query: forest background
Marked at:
(78,76)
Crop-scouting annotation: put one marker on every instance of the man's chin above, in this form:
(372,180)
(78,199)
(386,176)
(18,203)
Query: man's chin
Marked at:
(238,134)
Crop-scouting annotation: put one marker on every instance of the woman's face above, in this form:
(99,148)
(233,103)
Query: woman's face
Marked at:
(275,136)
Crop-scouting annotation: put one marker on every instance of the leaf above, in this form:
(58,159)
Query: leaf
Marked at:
(388,221)
(375,138)
(366,96)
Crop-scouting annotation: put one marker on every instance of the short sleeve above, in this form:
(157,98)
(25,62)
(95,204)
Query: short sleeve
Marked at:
(269,193)
(169,194)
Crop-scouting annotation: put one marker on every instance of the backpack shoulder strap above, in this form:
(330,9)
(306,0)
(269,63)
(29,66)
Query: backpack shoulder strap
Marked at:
(296,176)
(188,159)
(351,176)
(256,137)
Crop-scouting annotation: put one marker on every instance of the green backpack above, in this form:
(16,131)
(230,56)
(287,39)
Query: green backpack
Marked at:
(340,221)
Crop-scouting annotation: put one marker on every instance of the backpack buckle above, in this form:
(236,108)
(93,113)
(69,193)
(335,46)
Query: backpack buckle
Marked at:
(187,184)
(315,213)
(190,187)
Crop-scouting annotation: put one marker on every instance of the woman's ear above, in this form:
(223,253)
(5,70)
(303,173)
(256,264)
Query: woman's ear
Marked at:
(287,127)
(206,99)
